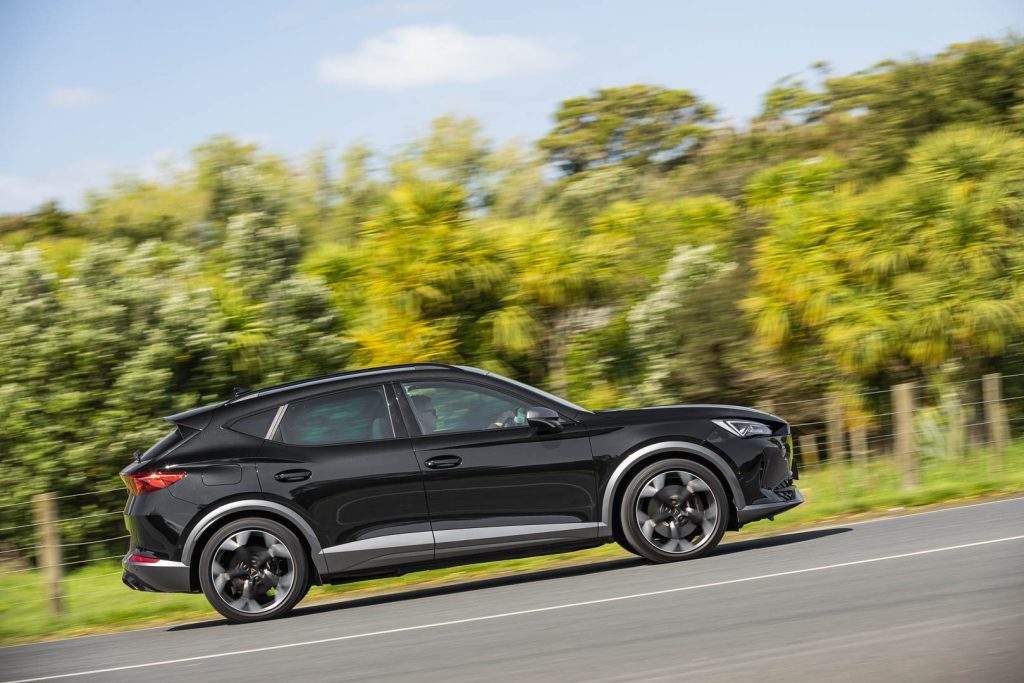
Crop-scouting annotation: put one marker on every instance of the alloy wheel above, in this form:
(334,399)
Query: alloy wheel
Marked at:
(676,512)
(252,571)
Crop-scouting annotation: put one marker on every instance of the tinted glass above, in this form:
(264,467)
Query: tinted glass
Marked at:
(256,424)
(357,415)
(456,407)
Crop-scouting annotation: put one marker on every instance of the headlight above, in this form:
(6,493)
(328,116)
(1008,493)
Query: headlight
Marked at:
(744,428)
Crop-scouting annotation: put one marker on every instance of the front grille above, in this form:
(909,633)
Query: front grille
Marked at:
(785,490)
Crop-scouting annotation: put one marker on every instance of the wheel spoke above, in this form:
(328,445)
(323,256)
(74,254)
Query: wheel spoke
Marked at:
(278,549)
(696,486)
(692,515)
(707,525)
(680,545)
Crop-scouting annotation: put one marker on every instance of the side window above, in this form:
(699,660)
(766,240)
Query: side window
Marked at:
(356,415)
(257,424)
(457,407)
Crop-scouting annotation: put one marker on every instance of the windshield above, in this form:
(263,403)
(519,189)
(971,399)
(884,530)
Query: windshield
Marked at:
(551,397)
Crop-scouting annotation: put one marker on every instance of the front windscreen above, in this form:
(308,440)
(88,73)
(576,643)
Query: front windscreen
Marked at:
(551,397)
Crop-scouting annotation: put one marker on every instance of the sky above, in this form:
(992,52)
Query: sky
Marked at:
(92,89)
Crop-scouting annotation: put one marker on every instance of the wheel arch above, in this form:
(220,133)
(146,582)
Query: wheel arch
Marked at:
(229,512)
(662,450)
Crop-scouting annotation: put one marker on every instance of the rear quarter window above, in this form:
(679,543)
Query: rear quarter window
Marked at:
(257,424)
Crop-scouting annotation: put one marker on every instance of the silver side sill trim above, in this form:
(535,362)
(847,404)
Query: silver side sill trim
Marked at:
(416,538)
(512,533)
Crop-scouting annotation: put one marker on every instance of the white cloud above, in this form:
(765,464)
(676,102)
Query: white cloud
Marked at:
(414,56)
(67,98)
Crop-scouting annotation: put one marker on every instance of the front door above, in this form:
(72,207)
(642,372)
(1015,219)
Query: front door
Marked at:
(492,481)
(345,459)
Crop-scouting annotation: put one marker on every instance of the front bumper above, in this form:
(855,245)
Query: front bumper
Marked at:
(788,498)
(162,576)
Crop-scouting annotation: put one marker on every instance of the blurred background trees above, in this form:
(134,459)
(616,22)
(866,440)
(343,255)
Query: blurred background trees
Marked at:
(866,229)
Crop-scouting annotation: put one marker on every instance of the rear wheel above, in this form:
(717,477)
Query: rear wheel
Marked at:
(674,510)
(253,569)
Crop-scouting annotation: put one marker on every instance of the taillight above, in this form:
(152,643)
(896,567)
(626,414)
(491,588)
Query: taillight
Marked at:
(140,483)
(142,559)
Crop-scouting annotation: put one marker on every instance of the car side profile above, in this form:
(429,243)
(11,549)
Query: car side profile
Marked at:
(384,471)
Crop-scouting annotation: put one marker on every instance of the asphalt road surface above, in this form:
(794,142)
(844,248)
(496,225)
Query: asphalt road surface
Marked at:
(936,596)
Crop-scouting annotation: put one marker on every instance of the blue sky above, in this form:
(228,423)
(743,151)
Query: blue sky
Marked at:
(93,88)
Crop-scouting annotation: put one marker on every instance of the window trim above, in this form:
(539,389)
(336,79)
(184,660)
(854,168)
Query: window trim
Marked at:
(409,416)
(276,422)
(283,409)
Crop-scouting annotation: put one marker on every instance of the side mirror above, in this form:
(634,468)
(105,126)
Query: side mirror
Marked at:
(544,420)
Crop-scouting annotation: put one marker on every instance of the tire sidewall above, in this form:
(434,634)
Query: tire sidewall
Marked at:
(627,510)
(286,536)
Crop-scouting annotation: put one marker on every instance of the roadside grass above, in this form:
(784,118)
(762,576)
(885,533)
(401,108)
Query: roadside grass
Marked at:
(97,602)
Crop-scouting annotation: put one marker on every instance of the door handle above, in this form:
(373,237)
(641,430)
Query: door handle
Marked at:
(293,475)
(443,462)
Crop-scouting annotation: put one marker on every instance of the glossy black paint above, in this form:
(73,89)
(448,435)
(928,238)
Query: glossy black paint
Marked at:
(545,487)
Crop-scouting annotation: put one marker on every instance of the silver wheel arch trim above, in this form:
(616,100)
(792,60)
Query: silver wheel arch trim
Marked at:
(210,518)
(651,450)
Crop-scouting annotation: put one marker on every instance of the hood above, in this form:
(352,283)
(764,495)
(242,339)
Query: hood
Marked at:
(686,411)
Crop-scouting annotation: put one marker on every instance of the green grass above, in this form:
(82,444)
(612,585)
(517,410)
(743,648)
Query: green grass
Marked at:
(96,601)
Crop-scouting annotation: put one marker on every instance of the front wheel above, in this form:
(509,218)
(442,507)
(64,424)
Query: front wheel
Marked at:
(253,569)
(674,510)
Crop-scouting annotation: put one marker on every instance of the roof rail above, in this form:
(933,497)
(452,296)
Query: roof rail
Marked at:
(338,375)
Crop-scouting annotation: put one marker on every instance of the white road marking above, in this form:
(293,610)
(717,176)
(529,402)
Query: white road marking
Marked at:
(503,615)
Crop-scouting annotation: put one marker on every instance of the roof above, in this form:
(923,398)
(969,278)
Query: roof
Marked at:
(252,393)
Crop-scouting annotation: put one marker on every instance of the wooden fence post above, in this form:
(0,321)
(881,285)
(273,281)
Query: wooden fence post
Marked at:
(808,449)
(44,507)
(859,444)
(834,426)
(995,412)
(956,440)
(903,424)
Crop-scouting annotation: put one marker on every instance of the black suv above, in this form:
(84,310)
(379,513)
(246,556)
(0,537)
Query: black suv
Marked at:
(384,471)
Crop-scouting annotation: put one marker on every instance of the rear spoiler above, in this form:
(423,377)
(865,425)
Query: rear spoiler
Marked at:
(197,418)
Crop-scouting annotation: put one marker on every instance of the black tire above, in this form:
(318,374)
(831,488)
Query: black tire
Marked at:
(708,528)
(252,567)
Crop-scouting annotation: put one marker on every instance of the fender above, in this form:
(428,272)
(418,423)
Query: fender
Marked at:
(316,551)
(718,462)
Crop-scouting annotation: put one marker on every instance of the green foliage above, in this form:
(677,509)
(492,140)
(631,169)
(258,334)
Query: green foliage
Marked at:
(907,274)
(980,82)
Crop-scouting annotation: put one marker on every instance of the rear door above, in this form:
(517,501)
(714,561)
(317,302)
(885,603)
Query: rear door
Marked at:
(345,458)
(492,481)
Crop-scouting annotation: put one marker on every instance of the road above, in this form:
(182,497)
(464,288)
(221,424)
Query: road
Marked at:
(937,596)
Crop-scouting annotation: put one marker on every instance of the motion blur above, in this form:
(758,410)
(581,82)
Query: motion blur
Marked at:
(866,230)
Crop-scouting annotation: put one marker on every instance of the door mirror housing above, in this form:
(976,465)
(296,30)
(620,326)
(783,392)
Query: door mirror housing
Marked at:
(544,420)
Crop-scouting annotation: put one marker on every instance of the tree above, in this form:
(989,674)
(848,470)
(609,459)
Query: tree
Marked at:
(637,125)
(908,274)
(897,103)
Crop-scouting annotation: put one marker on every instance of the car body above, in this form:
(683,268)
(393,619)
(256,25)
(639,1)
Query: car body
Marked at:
(389,470)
